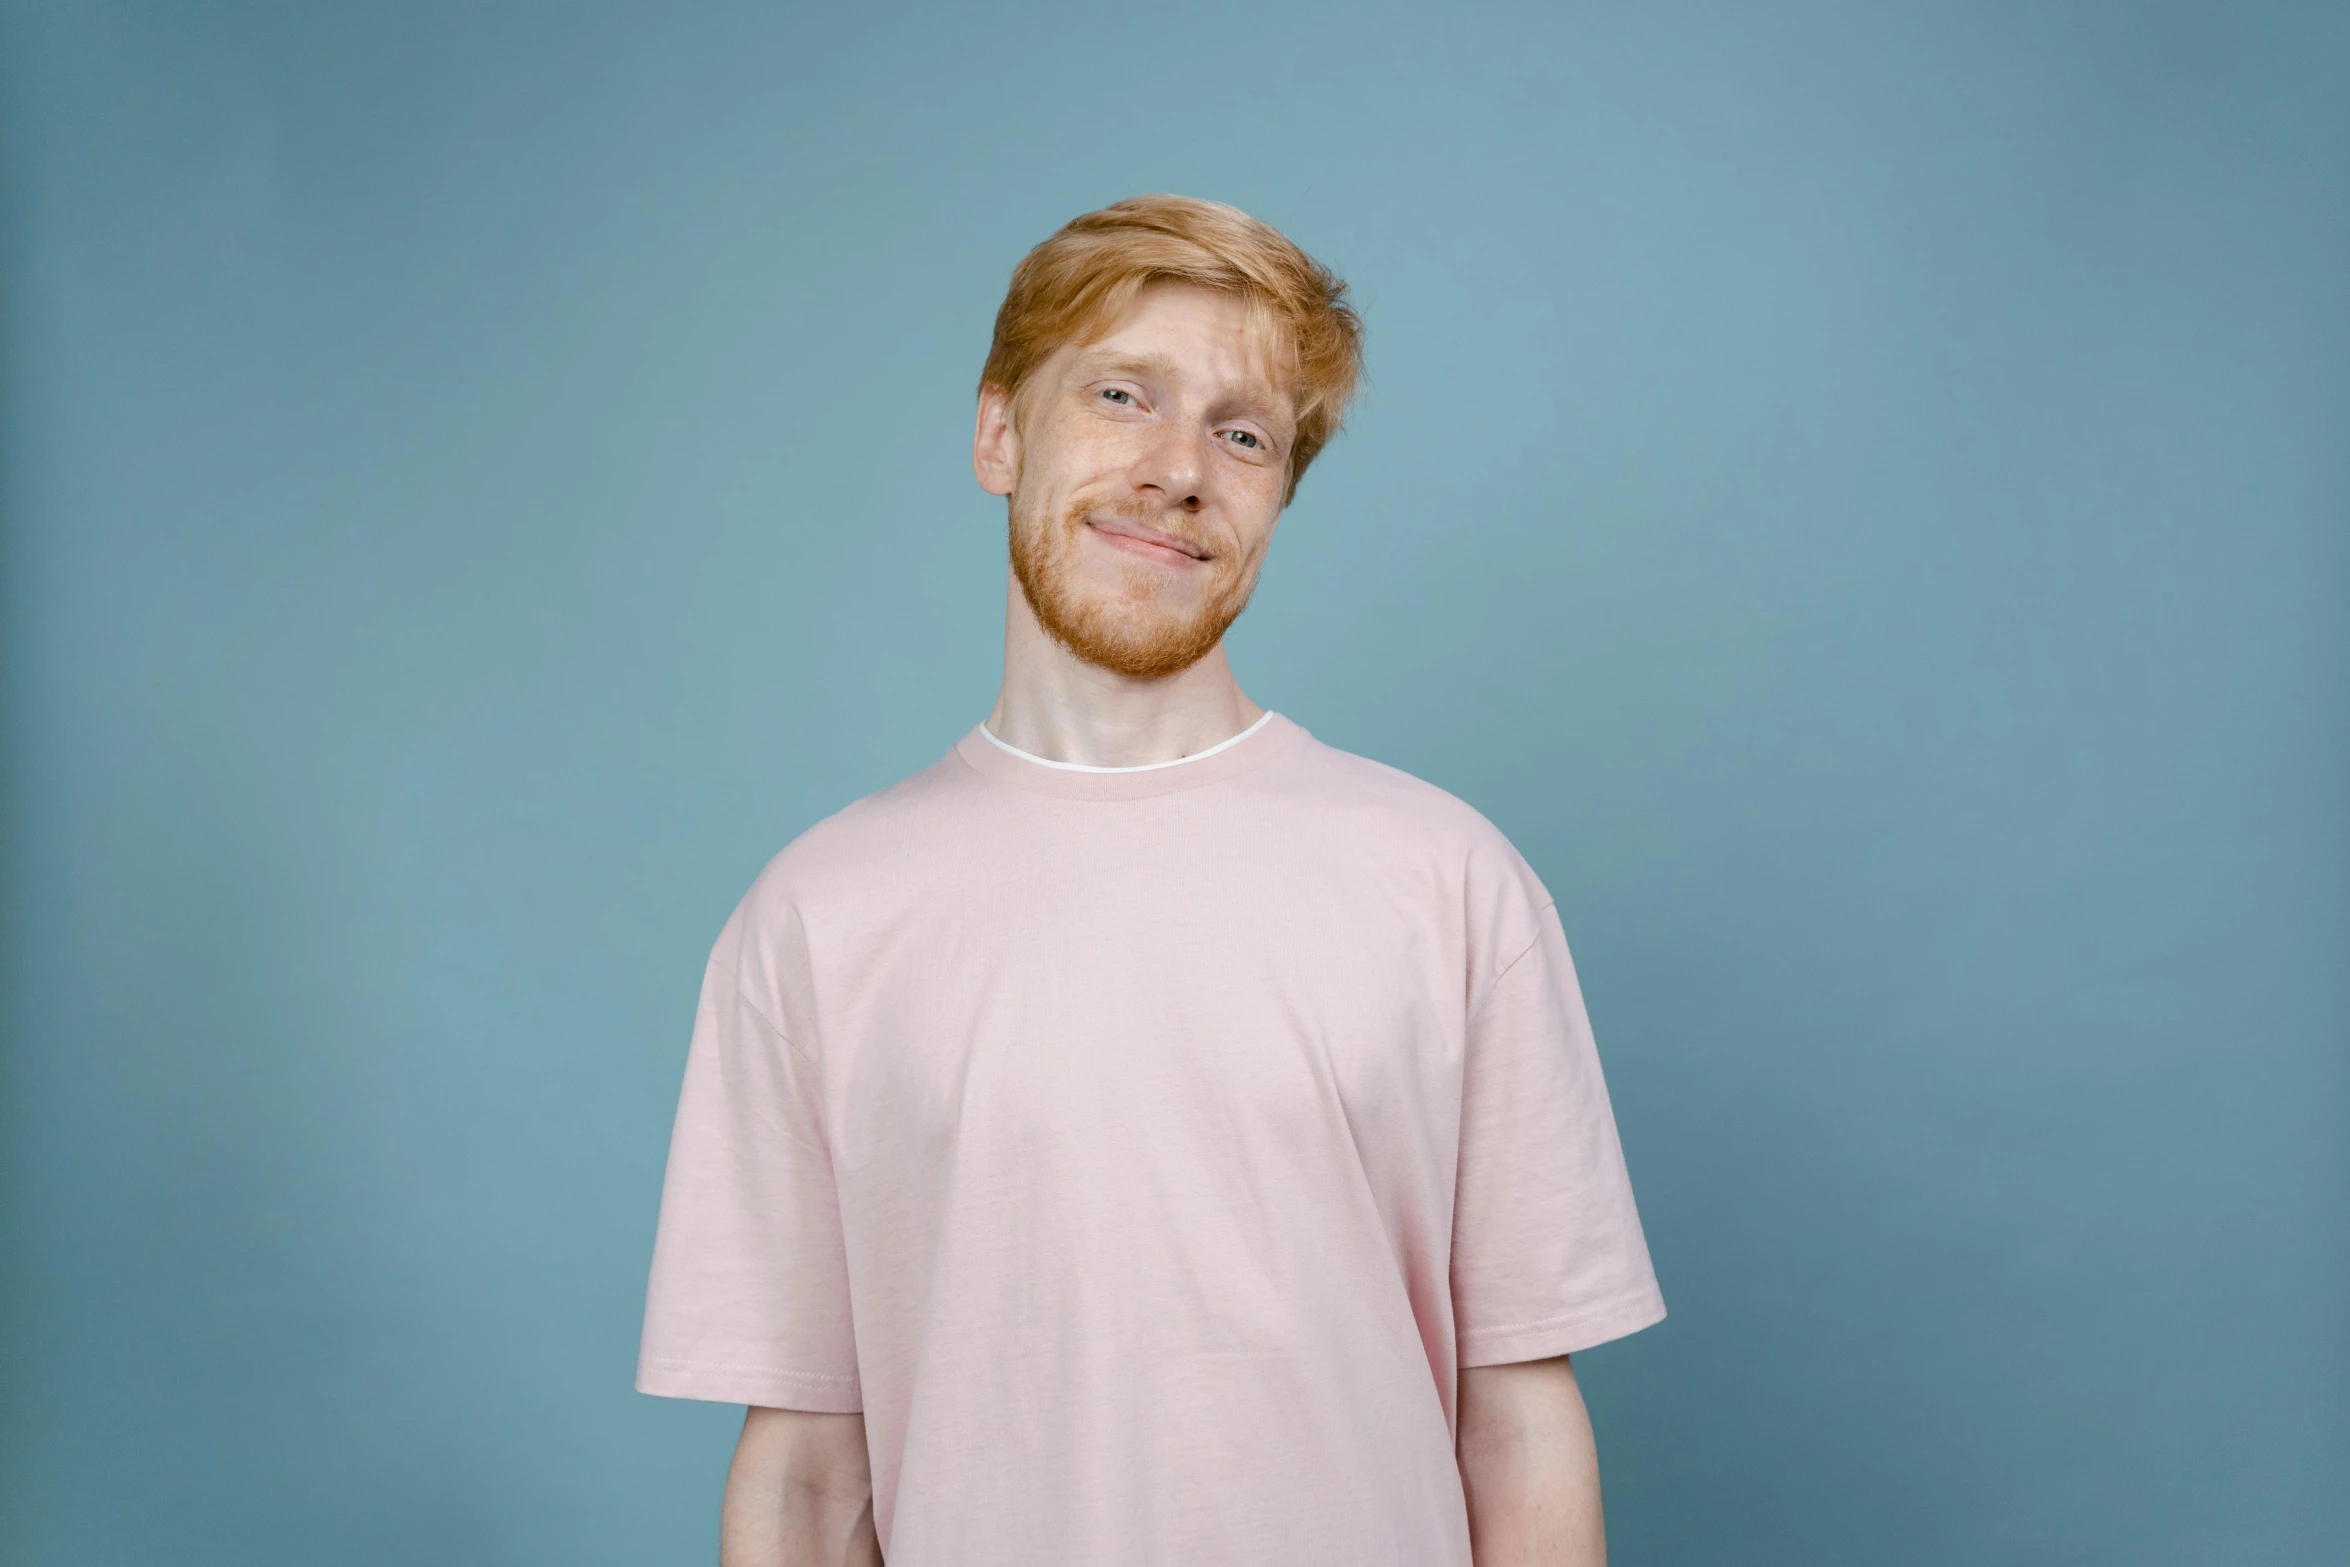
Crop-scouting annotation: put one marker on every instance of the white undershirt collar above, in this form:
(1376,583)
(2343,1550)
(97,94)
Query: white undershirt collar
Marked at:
(1082,767)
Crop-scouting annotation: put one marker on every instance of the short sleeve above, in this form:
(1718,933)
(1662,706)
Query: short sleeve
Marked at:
(748,1301)
(1547,1256)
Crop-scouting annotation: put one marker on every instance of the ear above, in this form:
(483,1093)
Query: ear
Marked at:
(995,445)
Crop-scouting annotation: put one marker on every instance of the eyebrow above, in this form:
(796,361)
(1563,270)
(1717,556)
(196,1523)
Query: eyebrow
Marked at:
(1131,364)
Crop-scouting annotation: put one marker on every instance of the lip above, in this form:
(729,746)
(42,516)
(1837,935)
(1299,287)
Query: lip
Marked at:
(1144,539)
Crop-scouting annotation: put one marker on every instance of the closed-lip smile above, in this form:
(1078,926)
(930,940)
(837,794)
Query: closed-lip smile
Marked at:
(1154,539)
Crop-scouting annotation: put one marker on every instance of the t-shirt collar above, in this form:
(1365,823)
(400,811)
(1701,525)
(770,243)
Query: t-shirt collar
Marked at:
(1256,744)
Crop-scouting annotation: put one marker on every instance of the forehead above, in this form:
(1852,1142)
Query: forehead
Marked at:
(1216,339)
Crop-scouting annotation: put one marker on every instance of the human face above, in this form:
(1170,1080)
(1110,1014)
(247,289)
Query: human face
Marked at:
(1145,472)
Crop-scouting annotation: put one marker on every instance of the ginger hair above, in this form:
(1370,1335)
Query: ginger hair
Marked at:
(1079,284)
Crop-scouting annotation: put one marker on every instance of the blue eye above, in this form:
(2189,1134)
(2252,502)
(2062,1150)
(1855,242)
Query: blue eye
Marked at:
(1245,437)
(1116,394)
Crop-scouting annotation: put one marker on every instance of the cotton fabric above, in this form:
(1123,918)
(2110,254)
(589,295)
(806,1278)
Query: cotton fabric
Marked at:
(1144,1152)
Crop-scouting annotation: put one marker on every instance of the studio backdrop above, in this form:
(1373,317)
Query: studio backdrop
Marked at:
(1859,494)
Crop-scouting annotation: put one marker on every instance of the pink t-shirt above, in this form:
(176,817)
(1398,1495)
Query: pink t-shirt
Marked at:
(1144,1151)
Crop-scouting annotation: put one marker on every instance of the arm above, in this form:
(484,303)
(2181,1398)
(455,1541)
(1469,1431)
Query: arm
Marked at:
(1529,1467)
(799,1493)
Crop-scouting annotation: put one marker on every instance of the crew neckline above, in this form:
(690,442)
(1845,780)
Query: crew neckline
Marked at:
(1007,763)
(1139,767)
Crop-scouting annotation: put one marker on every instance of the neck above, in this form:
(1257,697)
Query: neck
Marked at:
(1055,705)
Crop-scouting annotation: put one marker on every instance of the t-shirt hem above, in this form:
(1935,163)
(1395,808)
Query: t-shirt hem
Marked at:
(1565,1335)
(769,1389)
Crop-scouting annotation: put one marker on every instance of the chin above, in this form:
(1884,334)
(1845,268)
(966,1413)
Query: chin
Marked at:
(1113,633)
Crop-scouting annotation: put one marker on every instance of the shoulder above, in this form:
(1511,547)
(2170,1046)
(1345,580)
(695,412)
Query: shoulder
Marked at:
(892,820)
(1400,805)
(866,849)
(1400,817)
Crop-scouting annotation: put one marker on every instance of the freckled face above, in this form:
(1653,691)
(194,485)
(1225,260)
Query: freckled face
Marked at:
(1149,470)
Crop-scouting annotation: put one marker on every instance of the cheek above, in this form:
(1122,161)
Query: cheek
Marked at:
(1069,462)
(1256,510)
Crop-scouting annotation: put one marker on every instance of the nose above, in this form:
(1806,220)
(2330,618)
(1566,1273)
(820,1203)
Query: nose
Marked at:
(1174,463)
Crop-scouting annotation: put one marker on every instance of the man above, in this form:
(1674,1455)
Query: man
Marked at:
(1148,1135)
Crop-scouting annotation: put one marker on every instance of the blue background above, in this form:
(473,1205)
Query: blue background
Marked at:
(1861,494)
